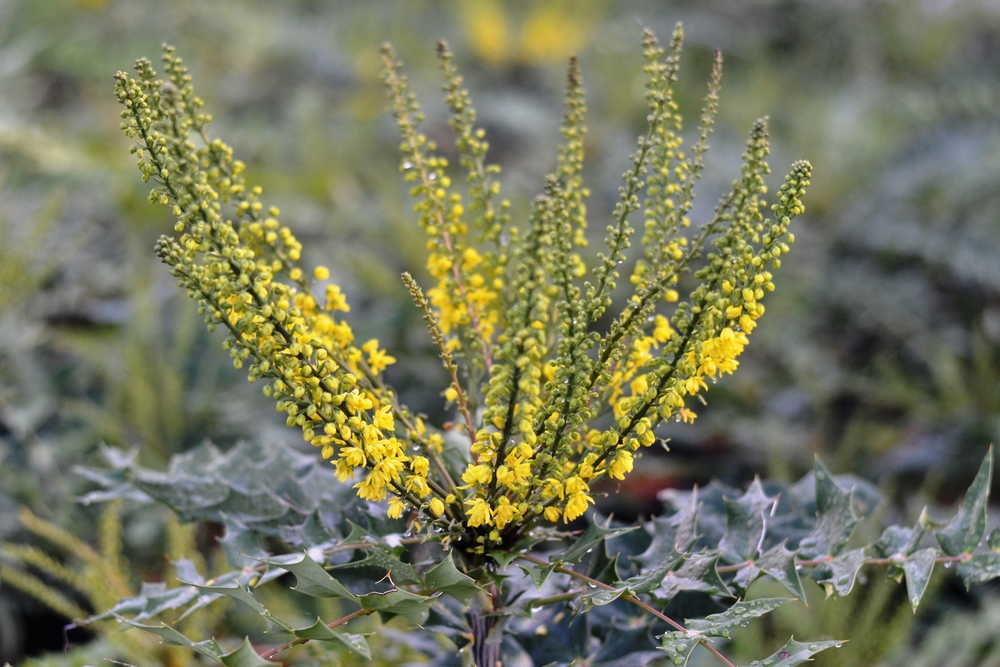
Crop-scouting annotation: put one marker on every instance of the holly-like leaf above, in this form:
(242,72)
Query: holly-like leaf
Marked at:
(238,592)
(647,581)
(835,517)
(447,578)
(795,653)
(537,573)
(383,559)
(979,569)
(918,568)
(588,541)
(504,558)
(319,631)
(696,573)
(311,578)
(779,562)
(840,573)
(746,523)
(964,532)
(244,656)
(398,602)
(679,645)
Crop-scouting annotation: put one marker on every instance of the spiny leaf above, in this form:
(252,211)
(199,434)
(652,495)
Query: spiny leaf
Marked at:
(718,625)
(445,577)
(835,517)
(840,573)
(399,602)
(383,559)
(244,656)
(779,562)
(238,592)
(746,523)
(537,573)
(696,573)
(964,532)
(590,538)
(679,645)
(918,569)
(794,653)
(319,631)
(311,579)
(979,569)
(647,581)
(504,558)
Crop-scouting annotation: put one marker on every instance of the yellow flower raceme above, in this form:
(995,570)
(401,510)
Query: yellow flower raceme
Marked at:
(537,356)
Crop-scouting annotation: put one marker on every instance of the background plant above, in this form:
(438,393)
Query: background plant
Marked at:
(332,389)
(893,97)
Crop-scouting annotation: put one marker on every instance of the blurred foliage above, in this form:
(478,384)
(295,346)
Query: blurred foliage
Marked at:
(882,346)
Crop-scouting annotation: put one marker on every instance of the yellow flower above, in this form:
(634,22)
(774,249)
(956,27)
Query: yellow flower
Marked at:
(552,513)
(576,505)
(504,513)
(621,464)
(396,506)
(321,273)
(479,512)
(478,474)
(662,329)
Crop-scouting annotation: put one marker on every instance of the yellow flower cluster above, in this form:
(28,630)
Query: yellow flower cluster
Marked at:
(517,315)
(325,384)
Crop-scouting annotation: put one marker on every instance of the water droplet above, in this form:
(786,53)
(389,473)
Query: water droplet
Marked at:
(813,647)
(837,645)
(784,654)
(947,564)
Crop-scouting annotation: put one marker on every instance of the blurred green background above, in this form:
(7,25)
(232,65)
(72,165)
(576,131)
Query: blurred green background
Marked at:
(880,351)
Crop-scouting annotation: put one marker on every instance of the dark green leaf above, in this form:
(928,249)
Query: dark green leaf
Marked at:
(311,578)
(696,573)
(835,517)
(679,645)
(445,577)
(719,625)
(918,568)
(244,656)
(647,581)
(590,539)
(746,523)
(399,602)
(779,562)
(964,532)
(504,558)
(383,559)
(538,573)
(795,653)
(979,569)
(238,592)
(687,524)
(320,632)
(840,573)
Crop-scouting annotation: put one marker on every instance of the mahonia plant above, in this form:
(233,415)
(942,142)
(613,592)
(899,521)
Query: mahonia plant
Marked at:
(556,387)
